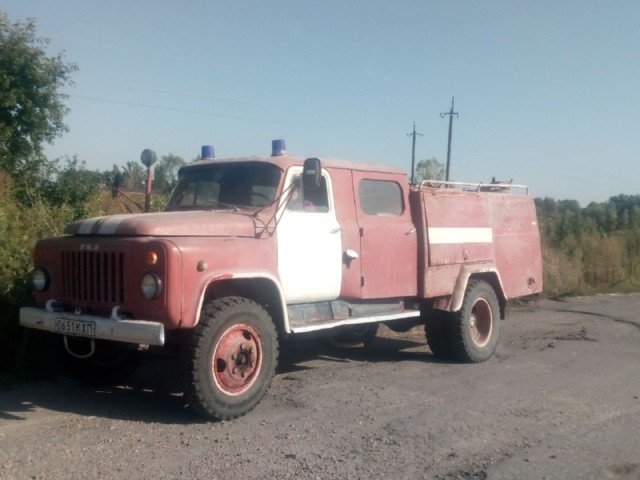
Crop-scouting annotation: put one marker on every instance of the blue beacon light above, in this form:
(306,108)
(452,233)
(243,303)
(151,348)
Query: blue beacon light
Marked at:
(208,152)
(278,148)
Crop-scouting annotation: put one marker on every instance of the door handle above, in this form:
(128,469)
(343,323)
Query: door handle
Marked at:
(351,254)
(411,230)
(334,230)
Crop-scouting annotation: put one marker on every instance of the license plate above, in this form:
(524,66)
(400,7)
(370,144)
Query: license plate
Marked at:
(75,327)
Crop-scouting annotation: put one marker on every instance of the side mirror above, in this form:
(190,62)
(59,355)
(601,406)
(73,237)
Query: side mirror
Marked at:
(311,174)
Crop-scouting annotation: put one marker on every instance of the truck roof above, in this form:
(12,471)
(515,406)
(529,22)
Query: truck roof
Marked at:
(286,161)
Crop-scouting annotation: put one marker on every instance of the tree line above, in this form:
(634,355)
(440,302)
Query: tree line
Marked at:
(565,218)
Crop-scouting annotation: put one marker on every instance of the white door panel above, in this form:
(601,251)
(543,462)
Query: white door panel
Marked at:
(310,251)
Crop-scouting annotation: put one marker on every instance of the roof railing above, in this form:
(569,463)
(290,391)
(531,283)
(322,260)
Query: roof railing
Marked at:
(473,187)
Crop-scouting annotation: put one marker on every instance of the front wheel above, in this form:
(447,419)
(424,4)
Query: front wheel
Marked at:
(234,356)
(473,331)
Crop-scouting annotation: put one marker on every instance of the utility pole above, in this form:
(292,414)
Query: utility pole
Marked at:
(451,113)
(413,151)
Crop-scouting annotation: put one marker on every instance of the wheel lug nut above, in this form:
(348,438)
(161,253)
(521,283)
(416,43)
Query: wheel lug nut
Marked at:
(252,365)
(244,374)
(234,356)
(235,370)
(242,346)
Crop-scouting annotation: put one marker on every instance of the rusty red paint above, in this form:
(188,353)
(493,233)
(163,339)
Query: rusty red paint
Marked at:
(388,244)
(514,249)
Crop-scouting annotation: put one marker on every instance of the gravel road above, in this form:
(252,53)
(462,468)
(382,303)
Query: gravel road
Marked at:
(559,400)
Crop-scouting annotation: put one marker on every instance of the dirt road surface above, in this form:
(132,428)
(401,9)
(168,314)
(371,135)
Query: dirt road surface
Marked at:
(560,400)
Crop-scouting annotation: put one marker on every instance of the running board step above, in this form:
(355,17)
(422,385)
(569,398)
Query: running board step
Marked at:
(311,317)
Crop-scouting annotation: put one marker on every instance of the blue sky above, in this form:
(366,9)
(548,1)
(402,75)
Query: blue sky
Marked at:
(548,92)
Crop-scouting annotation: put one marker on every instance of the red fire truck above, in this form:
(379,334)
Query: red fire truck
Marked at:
(253,250)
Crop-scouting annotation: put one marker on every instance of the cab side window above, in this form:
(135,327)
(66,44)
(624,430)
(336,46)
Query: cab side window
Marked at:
(380,198)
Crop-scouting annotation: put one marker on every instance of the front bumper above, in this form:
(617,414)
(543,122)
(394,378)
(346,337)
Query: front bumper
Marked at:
(142,332)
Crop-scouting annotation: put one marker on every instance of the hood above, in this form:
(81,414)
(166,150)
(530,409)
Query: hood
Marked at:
(191,223)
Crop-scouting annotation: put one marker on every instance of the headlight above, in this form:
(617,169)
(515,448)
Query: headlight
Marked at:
(40,279)
(151,286)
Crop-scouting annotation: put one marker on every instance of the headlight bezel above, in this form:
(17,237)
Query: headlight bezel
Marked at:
(40,279)
(151,286)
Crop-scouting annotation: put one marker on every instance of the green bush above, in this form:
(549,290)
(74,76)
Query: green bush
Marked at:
(21,226)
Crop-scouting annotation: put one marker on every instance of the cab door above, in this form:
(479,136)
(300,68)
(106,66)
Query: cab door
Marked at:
(388,239)
(309,243)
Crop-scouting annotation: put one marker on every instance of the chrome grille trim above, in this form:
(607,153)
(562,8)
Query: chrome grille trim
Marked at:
(93,276)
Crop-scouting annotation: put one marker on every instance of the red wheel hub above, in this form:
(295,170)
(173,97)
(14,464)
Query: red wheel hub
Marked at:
(481,323)
(237,359)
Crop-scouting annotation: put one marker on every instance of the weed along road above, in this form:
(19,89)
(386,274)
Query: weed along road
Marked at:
(559,400)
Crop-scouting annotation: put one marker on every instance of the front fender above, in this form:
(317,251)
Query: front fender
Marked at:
(262,287)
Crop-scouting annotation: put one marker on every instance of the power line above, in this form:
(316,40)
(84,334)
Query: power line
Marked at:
(194,112)
(451,113)
(413,151)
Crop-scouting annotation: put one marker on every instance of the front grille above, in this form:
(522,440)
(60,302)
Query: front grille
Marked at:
(93,276)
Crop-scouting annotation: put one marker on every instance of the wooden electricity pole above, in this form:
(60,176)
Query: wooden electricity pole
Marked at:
(451,113)
(413,151)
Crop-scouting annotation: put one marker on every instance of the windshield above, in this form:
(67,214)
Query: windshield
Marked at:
(225,185)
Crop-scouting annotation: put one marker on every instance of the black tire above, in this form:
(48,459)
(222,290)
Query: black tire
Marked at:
(234,355)
(435,326)
(353,335)
(111,362)
(473,331)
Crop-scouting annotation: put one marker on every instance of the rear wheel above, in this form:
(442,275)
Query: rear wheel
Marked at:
(473,331)
(234,355)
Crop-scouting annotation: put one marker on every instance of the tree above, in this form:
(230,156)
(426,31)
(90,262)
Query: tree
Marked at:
(547,207)
(430,169)
(72,185)
(569,206)
(134,175)
(165,173)
(605,216)
(108,177)
(32,106)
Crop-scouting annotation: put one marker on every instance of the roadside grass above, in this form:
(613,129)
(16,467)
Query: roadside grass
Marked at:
(592,264)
